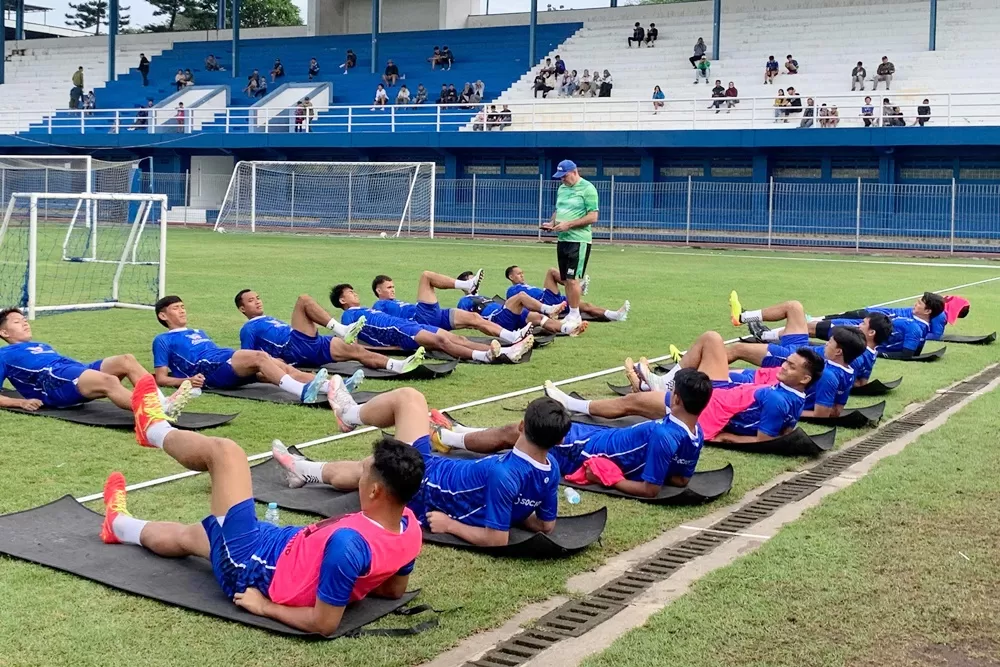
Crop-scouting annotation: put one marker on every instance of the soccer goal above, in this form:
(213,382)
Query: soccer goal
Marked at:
(395,198)
(63,260)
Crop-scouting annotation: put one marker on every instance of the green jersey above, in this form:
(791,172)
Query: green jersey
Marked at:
(573,203)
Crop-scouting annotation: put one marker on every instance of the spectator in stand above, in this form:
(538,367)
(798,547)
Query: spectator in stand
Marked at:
(251,87)
(479,122)
(313,68)
(884,73)
(658,98)
(606,84)
(211,64)
(595,83)
(403,96)
(421,97)
(141,117)
(381,98)
(794,101)
(547,69)
(583,84)
(791,65)
(466,95)
(443,96)
(569,84)
(310,113)
(506,118)
(809,114)
(435,58)
(180,117)
(732,97)
(638,35)
(703,69)
(478,91)
(651,35)
(718,94)
(923,113)
(277,71)
(74,98)
(447,57)
(179,80)
(300,115)
(350,62)
(892,116)
(144,68)
(452,94)
(492,118)
(540,86)
(824,115)
(391,74)
(261,87)
(781,104)
(560,66)
(78,83)
(257,77)
(868,113)
(858,75)
(834,119)
(699,52)
(188,78)
(770,70)
(89,101)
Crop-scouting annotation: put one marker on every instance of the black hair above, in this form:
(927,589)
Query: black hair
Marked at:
(693,388)
(881,325)
(379,279)
(851,342)
(337,292)
(163,304)
(814,363)
(7,312)
(508,271)
(546,423)
(465,275)
(399,466)
(934,302)
(239,297)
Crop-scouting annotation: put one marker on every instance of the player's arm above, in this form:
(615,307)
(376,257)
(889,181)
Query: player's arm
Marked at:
(639,489)
(246,338)
(394,587)
(536,525)
(164,379)
(321,618)
(826,398)
(585,221)
(860,382)
(543,519)
(771,425)
(29,404)
(482,537)
(743,439)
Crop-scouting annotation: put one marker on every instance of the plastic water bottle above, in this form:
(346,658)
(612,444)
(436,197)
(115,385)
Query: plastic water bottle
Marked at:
(572,497)
(273,517)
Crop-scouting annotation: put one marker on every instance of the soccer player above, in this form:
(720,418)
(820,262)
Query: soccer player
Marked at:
(521,310)
(301,345)
(550,296)
(736,413)
(650,455)
(876,328)
(908,332)
(828,395)
(383,330)
(44,377)
(576,211)
(183,354)
(302,576)
(478,501)
(428,311)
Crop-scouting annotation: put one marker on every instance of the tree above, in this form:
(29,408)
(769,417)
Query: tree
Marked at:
(93,14)
(253,14)
(169,8)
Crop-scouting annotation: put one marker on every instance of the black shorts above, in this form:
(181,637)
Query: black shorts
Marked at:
(573,257)
(823,329)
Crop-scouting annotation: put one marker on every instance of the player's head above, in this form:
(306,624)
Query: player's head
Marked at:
(692,391)
(845,345)
(343,296)
(567,173)
(514,274)
(801,368)
(383,287)
(391,475)
(14,326)
(545,423)
(929,306)
(248,302)
(170,312)
(877,328)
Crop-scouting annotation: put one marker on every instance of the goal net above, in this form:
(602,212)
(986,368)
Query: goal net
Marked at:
(341,197)
(56,257)
(64,174)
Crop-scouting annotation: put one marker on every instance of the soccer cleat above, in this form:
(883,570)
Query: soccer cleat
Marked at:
(675,354)
(114,504)
(557,309)
(146,408)
(570,323)
(436,444)
(735,308)
(340,401)
(579,329)
(624,310)
(585,284)
(523,331)
(653,381)
(311,391)
(354,330)
(352,383)
(439,418)
(633,377)
(556,394)
(287,460)
(174,404)
(757,330)
(519,349)
(494,351)
(477,280)
(414,361)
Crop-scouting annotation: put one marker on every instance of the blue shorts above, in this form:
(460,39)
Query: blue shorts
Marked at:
(550,298)
(220,375)
(508,320)
(307,351)
(402,335)
(744,376)
(418,503)
(569,453)
(58,388)
(240,547)
(786,347)
(432,314)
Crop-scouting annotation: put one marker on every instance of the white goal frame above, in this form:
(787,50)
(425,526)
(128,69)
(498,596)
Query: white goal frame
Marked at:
(128,255)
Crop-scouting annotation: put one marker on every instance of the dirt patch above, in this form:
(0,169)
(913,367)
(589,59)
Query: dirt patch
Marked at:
(983,654)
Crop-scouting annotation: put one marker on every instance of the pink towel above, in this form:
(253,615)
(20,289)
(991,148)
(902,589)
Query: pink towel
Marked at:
(604,469)
(953,306)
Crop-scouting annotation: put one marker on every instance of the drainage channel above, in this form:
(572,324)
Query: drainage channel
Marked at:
(579,616)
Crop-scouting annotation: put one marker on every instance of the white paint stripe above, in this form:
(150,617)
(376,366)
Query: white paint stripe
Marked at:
(725,532)
(461,406)
(949,289)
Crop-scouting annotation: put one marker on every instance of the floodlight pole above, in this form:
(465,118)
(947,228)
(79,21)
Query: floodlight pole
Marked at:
(376,27)
(532,25)
(932,46)
(112,34)
(236,38)
(716,27)
(220,16)
(19,20)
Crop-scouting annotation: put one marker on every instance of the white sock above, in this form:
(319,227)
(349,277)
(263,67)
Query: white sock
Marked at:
(465,285)
(547,310)
(669,377)
(337,328)
(482,356)
(352,415)
(291,385)
(453,439)
(771,336)
(613,315)
(574,313)
(578,405)
(157,433)
(395,365)
(458,428)
(312,471)
(750,316)
(128,528)
(509,336)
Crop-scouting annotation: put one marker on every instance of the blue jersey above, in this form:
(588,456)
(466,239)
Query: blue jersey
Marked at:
(834,385)
(382,330)
(907,334)
(266,334)
(651,452)
(864,364)
(188,352)
(497,492)
(537,293)
(39,372)
(936,326)
(494,312)
(401,309)
(775,409)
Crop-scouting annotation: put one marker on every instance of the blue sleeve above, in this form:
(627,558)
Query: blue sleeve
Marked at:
(501,491)
(826,388)
(773,413)
(247,339)
(3,372)
(913,337)
(161,352)
(346,557)
(549,508)
(660,452)
(937,327)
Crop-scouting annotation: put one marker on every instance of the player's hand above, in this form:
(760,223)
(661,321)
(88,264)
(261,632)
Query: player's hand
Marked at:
(592,478)
(30,404)
(252,600)
(548,226)
(198,381)
(438,522)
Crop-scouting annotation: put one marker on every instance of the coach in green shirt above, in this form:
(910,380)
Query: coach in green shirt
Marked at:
(576,211)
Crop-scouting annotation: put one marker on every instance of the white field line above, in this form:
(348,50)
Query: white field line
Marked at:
(461,406)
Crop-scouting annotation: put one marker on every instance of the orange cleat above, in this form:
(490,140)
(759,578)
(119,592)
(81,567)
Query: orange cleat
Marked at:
(147,408)
(438,418)
(114,504)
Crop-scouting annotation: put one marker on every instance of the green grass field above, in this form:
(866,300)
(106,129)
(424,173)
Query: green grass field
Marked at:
(58,619)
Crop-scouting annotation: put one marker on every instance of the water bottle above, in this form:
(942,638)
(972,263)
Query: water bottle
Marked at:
(271,515)
(572,497)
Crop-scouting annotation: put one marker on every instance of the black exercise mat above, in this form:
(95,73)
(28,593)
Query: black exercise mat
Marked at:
(924,356)
(852,417)
(796,443)
(269,487)
(269,393)
(620,389)
(876,388)
(64,535)
(422,372)
(702,488)
(984,339)
(108,415)
(443,356)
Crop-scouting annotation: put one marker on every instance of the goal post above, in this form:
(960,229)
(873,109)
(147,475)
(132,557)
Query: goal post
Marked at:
(55,263)
(395,198)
